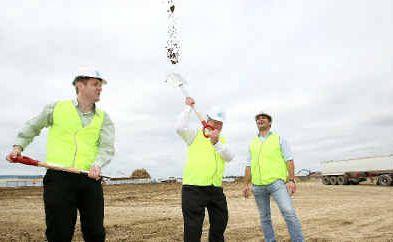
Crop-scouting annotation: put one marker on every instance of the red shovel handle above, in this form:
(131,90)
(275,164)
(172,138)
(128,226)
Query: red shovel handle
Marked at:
(31,162)
(206,126)
(24,160)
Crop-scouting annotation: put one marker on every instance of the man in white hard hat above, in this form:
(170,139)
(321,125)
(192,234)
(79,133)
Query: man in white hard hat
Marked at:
(270,170)
(80,136)
(202,177)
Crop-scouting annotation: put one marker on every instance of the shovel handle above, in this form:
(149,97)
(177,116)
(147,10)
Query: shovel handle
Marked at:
(206,126)
(32,162)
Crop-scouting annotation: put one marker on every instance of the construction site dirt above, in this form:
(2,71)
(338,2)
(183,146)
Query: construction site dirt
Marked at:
(152,212)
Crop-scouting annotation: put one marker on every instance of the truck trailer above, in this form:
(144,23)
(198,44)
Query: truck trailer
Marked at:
(353,171)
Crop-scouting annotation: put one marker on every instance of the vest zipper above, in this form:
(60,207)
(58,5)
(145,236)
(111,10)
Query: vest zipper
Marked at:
(259,164)
(76,149)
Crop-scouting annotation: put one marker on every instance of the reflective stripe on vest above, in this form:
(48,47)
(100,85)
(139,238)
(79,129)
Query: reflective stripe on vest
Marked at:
(69,144)
(267,163)
(204,166)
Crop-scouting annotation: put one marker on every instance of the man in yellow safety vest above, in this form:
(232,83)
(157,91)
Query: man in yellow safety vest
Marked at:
(202,177)
(270,170)
(80,136)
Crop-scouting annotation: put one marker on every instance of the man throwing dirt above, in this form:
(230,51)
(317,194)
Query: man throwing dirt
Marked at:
(272,174)
(80,136)
(202,178)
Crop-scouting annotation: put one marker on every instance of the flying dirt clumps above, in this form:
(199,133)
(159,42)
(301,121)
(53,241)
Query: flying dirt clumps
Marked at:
(140,173)
(173,44)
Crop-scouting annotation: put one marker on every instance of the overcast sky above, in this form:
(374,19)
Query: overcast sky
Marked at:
(323,69)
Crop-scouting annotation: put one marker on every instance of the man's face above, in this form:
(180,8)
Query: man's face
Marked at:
(91,90)
(263,123)
(216,124)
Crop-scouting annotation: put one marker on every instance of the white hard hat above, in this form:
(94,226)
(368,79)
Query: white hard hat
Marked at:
(263,113)
(89,72)
(217,114)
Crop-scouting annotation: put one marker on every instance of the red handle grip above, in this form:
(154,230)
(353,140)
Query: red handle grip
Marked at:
(25,160)
(206,126)
(31,162)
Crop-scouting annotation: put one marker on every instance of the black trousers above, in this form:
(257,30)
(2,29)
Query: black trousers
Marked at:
(194,201)
(64,194)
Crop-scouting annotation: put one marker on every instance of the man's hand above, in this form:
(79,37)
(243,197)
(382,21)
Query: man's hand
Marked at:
(190,101)
(247,190)
(95,172)
(214,136)
(291,187)
(16,151)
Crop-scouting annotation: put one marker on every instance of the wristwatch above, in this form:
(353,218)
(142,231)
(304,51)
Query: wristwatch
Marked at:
(292,180)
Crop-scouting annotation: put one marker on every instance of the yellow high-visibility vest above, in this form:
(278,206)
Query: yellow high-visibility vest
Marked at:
(267,163)
(204,166)
(69,143)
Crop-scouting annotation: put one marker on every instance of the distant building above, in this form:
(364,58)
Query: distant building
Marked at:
(21,181)
(127,180)
(306,174)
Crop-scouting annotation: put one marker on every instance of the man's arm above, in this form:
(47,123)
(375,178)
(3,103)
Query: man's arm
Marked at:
(247,172)
(247,177)
(291,170)
(182,128)
(247,182)
(287,155)
(224,151)
(291,184)
(221,148)
(106,147)
(286,151)
(33,127)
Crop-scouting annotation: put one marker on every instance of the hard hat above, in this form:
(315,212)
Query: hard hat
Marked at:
(217,114)
(262,113)
(89,72)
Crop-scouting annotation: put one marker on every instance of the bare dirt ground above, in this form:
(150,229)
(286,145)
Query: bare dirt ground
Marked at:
(153,213)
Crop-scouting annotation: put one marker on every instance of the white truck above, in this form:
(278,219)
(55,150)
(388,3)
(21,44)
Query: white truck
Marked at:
(353,171)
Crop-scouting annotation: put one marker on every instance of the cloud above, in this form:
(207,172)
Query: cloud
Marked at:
(325,77)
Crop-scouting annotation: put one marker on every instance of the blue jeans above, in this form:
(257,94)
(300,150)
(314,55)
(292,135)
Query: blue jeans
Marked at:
(280,194)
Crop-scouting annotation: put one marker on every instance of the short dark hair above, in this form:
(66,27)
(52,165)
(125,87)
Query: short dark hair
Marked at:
(80,79)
